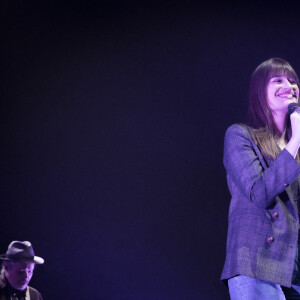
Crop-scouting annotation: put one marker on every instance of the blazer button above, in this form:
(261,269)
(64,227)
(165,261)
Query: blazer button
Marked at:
(275,215)
(286,184)
(270,239)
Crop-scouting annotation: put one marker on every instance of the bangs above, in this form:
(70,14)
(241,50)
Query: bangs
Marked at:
(283,69)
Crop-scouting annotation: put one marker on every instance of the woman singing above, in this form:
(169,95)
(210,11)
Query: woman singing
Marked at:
(262,162)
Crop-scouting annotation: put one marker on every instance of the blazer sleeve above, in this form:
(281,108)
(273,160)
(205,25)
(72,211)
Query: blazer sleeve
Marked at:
(244,167)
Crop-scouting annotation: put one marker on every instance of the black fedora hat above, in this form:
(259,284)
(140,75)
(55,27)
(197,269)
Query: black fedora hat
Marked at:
(21,252)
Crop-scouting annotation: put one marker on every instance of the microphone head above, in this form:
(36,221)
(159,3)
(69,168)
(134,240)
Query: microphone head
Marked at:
(292,107)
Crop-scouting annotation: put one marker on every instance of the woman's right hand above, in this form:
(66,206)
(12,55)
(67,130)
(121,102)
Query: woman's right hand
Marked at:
(294,143)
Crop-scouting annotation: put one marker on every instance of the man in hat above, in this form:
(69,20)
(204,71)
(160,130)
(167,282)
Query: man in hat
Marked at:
(17,270)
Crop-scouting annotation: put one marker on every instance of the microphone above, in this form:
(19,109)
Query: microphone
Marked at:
(292,107)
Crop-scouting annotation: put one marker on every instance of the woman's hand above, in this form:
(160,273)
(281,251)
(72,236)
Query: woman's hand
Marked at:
(294,143)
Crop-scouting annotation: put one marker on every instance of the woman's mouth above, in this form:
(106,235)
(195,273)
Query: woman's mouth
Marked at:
(290,95)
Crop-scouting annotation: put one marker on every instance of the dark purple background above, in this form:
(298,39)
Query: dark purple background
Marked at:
(112,122)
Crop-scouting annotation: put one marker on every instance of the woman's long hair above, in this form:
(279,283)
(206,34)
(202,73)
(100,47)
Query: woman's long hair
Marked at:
(260,118)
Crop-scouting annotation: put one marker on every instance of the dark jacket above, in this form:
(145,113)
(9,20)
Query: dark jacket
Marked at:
(263,218)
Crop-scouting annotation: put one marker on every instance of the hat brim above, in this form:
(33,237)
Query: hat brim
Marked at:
(35,259)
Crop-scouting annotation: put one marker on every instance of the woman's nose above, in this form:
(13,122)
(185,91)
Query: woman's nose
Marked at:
(288,83)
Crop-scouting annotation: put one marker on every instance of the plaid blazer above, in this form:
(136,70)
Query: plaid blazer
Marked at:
(263,220)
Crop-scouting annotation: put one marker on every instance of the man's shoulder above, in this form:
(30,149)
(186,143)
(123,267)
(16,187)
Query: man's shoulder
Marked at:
(34,294)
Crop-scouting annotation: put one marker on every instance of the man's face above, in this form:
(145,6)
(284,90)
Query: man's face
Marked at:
(18,274)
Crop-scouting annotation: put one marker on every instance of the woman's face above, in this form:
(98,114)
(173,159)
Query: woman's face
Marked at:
(281,91)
